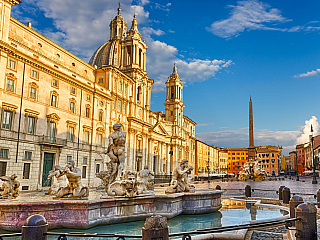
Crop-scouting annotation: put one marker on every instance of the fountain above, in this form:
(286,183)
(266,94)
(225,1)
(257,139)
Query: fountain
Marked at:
(252,170)
(128,197)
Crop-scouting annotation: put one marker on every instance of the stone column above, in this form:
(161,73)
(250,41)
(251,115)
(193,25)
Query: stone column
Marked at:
(34,227)
(294,202)
(306,227)
(155,227)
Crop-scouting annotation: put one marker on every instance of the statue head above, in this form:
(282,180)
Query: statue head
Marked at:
(184,162)
(146,167)
(117,127)
(70,164)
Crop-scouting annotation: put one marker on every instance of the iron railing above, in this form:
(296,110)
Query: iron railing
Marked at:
(46,140)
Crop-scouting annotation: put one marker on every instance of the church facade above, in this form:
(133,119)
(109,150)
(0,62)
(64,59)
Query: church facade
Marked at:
(55,107)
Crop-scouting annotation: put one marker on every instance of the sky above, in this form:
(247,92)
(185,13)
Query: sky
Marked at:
(225,51)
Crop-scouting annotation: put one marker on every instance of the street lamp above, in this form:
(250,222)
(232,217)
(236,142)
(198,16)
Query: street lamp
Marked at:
(208,166)
(314,181)
(297,164)
(171,154)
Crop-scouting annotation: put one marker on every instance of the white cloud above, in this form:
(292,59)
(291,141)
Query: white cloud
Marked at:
(254,15)
(82,26)
(161,57)
(247,15)
(308,74)
(163,7)
(240,137)
(306,130)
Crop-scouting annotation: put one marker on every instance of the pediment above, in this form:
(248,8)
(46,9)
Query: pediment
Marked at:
(53,117)
(158,128)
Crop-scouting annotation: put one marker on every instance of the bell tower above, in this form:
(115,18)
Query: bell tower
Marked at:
(118,27)
(134,51)
(174,104)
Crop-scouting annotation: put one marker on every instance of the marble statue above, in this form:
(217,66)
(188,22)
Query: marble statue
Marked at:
(10,187)
(180,180)
(252,170)
(146,177)
(116,153)
(59,180)
(127,187)
(130,184)
(74,187)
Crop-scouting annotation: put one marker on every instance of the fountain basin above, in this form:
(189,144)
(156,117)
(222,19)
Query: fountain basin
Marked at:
(83,214)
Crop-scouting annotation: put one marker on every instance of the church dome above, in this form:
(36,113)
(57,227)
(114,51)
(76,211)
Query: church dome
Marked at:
(107,54)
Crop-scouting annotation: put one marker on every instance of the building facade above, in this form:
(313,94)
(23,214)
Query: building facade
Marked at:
(270,158)
(223,160)
(207,159)
(55,107)
(292,161)
(236,159)
(300,158)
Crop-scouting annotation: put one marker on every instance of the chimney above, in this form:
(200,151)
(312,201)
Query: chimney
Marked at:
(29,24)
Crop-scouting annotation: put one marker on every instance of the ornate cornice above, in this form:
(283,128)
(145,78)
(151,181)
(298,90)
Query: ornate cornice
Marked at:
(13,2)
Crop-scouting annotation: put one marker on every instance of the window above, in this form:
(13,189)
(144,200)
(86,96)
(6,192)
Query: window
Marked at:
(34,74)
(99,139)
(7,120)
(126,89)
(88,97)
(124,108)
(10,85)
(73,91)
(88,112)
(100,116)
(72,107)
(85,160)
(12,64)
(55,82)
(139,93)
(27,155)
(119,105)
(69,158)
(30,124)
(33,93)
(70,134)
(86,137)
(4,153)
(26,170)
(120,86)
(52,129)
(84,171)
(172,92)
(114,104)
(100,80)
(272,154)
(73,64)
(97,167)
(54,100)
(3,168)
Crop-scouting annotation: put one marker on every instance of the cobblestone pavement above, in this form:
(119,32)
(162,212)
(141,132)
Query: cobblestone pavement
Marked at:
(267,189)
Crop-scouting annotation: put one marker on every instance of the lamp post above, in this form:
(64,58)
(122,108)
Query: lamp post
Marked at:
(297,164)
(171,154)
(314,181)
(208,166)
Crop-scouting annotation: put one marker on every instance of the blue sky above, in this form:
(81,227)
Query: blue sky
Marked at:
(225,52)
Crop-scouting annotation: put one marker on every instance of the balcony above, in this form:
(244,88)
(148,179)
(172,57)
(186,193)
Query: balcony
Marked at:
(52,141)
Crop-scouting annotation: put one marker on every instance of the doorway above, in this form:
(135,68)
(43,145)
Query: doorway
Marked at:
(47,166)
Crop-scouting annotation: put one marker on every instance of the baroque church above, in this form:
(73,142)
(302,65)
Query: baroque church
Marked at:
(55,107)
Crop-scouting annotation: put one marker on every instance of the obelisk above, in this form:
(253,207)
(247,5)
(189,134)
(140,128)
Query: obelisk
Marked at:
(251,148)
